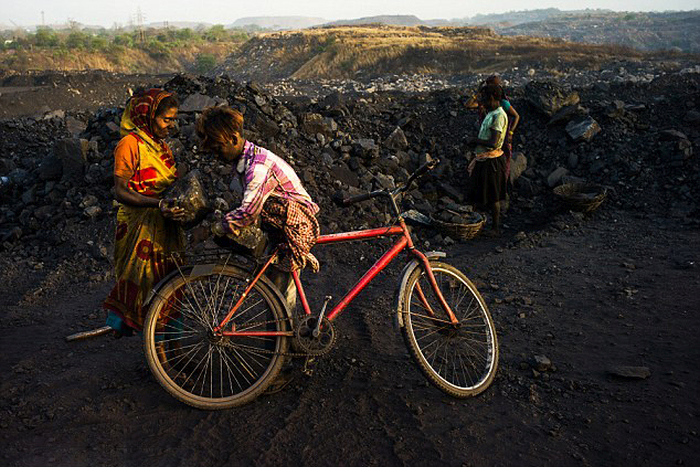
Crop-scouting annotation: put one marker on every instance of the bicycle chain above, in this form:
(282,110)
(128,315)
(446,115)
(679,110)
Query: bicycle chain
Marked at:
(285,354)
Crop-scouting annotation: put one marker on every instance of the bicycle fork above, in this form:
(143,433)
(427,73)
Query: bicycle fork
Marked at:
(438,293)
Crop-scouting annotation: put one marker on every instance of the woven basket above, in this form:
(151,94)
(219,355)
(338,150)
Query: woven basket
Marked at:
(460,231)
(581,196)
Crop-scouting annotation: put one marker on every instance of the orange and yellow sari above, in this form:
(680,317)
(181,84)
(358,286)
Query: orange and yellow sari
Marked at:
(144,239)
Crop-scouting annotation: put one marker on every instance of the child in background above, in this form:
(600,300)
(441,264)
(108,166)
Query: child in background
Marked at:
(487,171)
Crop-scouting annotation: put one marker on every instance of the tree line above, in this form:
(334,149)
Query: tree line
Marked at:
(157,42)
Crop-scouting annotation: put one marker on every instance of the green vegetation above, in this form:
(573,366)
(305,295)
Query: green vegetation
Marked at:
(204,63)
(120,50)
(156,42)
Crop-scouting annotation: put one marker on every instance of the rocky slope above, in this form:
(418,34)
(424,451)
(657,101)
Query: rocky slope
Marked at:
(57,168)
(372,51)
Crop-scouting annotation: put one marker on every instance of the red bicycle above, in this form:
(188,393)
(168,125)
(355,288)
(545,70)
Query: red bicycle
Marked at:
(216,334)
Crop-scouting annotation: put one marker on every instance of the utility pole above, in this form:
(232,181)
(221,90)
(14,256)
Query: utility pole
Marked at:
(139,23)
(43,23)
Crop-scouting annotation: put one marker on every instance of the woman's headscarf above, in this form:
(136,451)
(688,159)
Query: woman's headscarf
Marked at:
(141,110)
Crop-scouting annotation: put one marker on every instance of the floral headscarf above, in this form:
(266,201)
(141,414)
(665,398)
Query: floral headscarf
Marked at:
(141,110)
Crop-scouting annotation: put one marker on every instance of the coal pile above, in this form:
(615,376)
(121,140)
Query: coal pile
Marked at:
(638,138)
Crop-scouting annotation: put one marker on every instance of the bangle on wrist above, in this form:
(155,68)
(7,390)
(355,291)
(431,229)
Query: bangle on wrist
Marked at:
(160,204)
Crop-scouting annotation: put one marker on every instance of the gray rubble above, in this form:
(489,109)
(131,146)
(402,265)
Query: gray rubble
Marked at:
(344,144)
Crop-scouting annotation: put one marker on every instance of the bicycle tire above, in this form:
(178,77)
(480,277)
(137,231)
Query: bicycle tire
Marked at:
(186,358)
(461,361)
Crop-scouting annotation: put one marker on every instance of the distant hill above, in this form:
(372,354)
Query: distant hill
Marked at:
(178,25)
(678,31)
(278,22)
(511,17)
(394,20)
(369,51)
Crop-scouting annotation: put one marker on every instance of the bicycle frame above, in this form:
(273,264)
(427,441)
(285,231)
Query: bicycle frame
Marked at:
(404,242)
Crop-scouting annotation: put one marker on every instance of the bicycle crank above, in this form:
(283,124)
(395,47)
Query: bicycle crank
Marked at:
(313,337)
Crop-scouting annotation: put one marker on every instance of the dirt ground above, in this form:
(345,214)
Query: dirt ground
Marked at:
(614,289)
(590,294)
(29,95)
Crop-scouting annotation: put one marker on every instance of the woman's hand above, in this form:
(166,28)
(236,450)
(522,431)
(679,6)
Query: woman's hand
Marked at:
(169,209)
(472,102)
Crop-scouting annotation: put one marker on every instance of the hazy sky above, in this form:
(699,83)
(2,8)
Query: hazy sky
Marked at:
(107,13)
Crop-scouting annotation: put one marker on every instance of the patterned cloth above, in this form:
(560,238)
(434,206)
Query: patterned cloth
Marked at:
(300,228)
(141,110)
(264,175)
(144,239)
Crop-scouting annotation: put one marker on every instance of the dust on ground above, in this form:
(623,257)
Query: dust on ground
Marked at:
(591,294)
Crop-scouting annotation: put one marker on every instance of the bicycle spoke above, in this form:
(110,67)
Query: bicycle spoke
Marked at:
(243,363)
(237,369)
(191,354)
(223,362)
(183,309)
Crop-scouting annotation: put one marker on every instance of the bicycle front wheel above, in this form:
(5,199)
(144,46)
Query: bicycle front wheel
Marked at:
(192,362)
(460,360)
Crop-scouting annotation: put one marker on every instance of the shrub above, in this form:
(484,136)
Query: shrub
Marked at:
(184,34)
(98,43)
(156,49)
(204,63)
(215,33)
(45,37)
(124,39)
(77,40)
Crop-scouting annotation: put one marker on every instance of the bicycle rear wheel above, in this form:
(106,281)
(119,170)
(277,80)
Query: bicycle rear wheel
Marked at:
(460,360)
(198,367)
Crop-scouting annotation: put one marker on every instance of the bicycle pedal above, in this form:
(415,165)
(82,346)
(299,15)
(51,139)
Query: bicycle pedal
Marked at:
(309,365)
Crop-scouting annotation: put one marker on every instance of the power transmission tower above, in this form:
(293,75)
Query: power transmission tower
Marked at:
(139,22)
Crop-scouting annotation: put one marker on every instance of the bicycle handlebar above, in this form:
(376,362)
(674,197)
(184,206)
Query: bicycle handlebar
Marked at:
(362,197)
(430,165)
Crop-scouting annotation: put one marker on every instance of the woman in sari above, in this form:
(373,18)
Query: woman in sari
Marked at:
(146,234)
